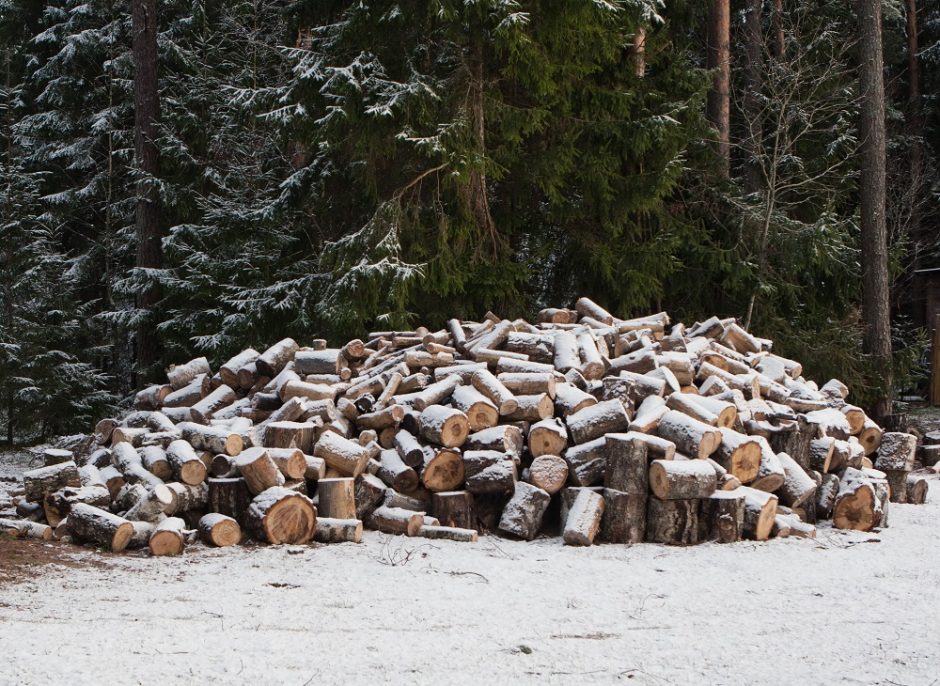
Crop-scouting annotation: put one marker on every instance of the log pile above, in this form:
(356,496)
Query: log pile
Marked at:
(582,425)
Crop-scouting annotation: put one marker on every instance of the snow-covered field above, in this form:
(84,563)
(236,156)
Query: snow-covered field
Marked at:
(844,609)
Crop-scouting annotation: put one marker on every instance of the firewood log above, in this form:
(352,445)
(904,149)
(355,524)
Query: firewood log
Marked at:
(295,388)
(570,400)
(480,410)
(381,419)
(721,517)
(584,518)
(529,383)
(129,463)
(337,498)
(692,437)
(648,414)
(588,308)
(443,469)
(870,436)
(409,449)
(505,438)
(787,525)
(185,498)
(492,388)
(916,488)
(770,474)
(347,457)
(597,420)
(188,395)
(113,479)
(798,486)
(152,506)
(37,483)
(94,525)
(821,453)
(141,536)
(624,518)
(258,470)
(454,509)
(463,370)
(449,533)
(130,435)
(291,462)
(229,371)
(370,492)
(532,408)
(182,374)
(681,480)
(204,410)
(26,529)
(406,502)
(327,361)
(395,473)
(394,520)
(168,537)
(897,482)
(627,465)
(508,365)
(219,530)
(673,522)
(290,434)
(644,385)
(522,516)
(639,362)
(154,460)
(592,365)
(488,472)
(54,456)
(548,472)
(152,397)
(547,437)
(587,462)
(279,515)
(444,426)
(433,394)
(273,360)
(103,430)
(897,451)
(760,508)
(329,530)
(187,466)
(835,389)
(826,494)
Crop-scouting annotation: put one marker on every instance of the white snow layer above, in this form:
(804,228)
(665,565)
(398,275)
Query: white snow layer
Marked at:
(846,608)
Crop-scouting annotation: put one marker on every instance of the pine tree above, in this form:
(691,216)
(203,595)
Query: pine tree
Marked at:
(47,382)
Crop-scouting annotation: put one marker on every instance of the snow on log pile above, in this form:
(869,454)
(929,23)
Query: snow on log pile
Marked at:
(583,425)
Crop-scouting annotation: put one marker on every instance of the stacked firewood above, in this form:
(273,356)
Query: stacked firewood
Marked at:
(583,424)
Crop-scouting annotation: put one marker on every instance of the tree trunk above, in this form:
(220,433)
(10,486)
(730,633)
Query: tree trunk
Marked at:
(718,107)
(146,117)
(874,235)
(754,82)
(916,121)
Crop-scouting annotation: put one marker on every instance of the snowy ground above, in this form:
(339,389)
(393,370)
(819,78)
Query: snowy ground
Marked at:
(844,609)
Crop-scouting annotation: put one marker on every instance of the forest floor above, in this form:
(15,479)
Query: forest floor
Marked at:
(847,608)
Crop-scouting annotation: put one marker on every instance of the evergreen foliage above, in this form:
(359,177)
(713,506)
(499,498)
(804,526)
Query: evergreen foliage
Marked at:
(331,166)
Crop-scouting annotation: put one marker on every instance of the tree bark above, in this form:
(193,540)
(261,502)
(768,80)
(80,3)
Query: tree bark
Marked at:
(718,108)
(754,82)
(146,118)
(874,234)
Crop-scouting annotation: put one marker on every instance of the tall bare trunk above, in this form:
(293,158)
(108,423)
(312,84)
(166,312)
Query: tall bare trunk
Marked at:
(754,81)
(916,118)
(875,309)
(779,44)
(718,107)
(146,117)
(638,52)
(477,193)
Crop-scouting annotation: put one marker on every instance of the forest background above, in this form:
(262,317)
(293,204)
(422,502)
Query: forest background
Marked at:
(180,178)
